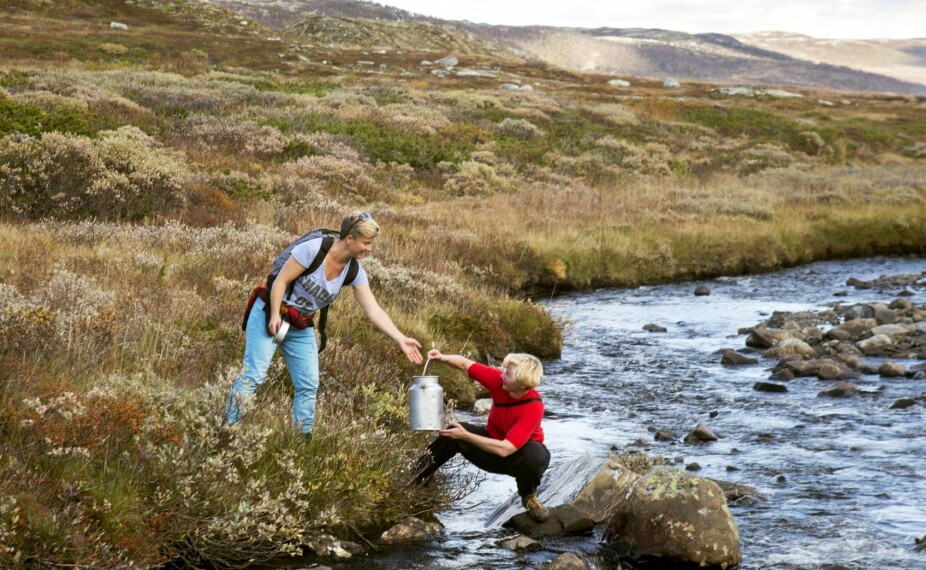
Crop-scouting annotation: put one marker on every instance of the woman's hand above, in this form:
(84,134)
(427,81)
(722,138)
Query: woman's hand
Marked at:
(455,431)
(274,325)
(410,347)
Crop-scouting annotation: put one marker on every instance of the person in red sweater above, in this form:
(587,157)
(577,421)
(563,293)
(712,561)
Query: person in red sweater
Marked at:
(511,442)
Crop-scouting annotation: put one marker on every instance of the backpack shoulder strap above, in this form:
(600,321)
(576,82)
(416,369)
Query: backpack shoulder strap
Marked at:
(352,271)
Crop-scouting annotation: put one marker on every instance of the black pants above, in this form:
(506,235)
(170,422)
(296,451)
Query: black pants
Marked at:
(526,465)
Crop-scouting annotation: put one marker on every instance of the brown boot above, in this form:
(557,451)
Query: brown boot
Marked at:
(535,508)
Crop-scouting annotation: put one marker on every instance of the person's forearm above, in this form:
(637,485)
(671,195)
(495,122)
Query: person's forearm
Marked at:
(457,361)
(381,320)
(500,447)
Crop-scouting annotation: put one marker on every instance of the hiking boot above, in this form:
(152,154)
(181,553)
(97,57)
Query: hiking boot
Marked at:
(535,508)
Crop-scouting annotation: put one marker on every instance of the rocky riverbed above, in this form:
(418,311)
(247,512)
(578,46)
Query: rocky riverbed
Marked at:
(842,473)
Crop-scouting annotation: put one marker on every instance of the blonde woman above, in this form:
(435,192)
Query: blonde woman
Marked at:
(511,442)
(305,278)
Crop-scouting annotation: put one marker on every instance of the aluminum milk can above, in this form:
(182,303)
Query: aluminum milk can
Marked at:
(426,404)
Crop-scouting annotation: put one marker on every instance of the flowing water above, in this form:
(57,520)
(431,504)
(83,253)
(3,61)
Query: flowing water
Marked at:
(845,478)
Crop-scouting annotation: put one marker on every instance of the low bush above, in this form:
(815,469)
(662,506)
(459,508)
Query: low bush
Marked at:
(123,175)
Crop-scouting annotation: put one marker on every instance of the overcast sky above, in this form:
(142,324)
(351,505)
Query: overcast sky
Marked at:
(860,19)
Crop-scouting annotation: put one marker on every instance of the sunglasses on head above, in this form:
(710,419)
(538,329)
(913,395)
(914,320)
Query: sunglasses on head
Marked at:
(363,217)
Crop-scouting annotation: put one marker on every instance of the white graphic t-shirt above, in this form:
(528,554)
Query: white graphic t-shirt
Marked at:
(313,292)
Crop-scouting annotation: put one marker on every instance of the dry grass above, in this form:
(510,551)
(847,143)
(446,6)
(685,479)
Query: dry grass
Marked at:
(185,159)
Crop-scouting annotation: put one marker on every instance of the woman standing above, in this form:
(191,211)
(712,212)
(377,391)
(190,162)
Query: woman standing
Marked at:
(304,280)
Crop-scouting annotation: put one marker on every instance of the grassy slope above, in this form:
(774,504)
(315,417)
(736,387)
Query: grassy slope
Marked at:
(486,197)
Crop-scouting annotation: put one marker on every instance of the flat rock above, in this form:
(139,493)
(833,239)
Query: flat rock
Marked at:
(520,543)
(733,358)
(567,561)
(841,390)
(903,403)
(769,387)
(564,519)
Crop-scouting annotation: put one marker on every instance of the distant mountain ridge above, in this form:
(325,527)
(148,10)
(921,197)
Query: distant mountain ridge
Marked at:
(757,59)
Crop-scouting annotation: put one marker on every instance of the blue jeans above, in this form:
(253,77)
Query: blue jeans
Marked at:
(301,355)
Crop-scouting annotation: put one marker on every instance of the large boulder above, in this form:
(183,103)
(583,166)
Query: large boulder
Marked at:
(672,517)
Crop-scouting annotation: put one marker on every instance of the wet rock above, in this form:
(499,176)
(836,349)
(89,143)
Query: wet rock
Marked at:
(874,345)
(665,435)
(568,561)
(781,479)
(654,328)
(901,304)
(860,311)
(564,519)
(841,294)
(327,546)
(736,491)
(802,368)
(482,406)
(769,387)
(713,414)
(791,347)
(891,330)
(858,283)
(733,358)
(700,434)
(673,517)
(731,468)
(783,375)
(884,315)
(841,390)
(693,466)
(920,544)
(761,337)
(903,403)
(838,334)
(856,328)
(829,371)
(702,290)
(891,370)
(520,543)
(410,529)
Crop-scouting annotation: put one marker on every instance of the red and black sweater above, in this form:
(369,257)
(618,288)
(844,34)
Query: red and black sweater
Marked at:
(514,419)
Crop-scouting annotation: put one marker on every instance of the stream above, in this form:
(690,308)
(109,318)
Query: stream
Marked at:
(844,478)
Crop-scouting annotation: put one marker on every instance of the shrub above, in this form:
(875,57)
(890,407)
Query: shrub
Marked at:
(520,128)
(124,175)
(30,119)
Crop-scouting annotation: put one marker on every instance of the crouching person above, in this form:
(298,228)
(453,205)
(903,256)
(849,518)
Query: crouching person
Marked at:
(511,443)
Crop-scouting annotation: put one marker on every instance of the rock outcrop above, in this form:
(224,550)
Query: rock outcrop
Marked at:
(671,517)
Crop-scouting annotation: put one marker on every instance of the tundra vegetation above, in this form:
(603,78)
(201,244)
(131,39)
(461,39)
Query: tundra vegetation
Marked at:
(148,175)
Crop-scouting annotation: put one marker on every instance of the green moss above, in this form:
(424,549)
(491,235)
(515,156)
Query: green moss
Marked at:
(32,120)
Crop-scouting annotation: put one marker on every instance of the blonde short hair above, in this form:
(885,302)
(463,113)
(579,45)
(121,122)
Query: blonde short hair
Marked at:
(359,224)
(528,369)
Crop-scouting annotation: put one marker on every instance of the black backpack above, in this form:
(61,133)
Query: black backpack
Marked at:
(328,237)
